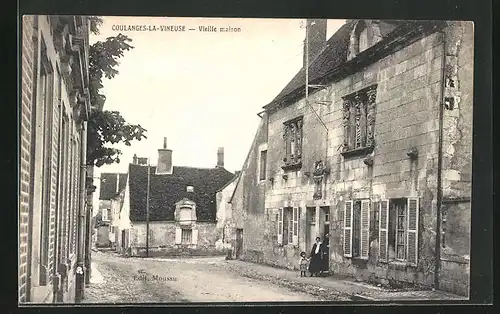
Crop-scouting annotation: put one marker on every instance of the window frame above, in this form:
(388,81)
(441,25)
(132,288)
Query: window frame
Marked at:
(263,165)
(189,232)
(359,119)
(45,101)
(293,141)
(392,210)
(288,225)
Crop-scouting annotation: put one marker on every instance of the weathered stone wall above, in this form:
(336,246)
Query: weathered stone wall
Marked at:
(224,216)
(248,202)
(457,158)
(406,116)
(162,240)
(27,78)
(408,97)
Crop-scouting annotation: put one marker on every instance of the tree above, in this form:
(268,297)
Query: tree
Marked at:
(106,127)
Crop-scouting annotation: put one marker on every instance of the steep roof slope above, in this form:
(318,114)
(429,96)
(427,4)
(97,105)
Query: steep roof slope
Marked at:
(108,185)
(166,190)
(333,55)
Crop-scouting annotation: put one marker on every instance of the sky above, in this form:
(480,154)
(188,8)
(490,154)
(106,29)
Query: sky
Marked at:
(200,90)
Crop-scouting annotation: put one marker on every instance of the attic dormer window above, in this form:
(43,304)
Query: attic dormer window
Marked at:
(365,34)
(190,188)
(363,39)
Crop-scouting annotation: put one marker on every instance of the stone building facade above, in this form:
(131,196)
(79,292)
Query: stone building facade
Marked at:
(181,211)
(378,160)
(54,107)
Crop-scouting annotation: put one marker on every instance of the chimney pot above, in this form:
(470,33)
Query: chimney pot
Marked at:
(316,30)
(220,157)
(134,159)
(164,165)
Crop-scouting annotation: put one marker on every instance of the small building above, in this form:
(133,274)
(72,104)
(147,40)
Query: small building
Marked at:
(377,158)
(224,240)
(181,211)
(111,185)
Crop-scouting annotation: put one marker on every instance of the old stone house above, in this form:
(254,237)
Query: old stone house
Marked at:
(182,207)
(375,154)
(224,225)
(111,186)
(54,107)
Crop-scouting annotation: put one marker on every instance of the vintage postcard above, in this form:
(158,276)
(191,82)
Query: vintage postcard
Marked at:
(186,160)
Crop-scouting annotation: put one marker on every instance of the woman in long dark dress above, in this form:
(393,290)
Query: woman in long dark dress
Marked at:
(316,258)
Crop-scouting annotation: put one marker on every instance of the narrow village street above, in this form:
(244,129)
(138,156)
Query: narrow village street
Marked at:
(138,280)
(117,279)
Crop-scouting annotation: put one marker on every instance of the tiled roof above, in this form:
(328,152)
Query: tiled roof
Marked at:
(333,55)
(108,185)
(168,189)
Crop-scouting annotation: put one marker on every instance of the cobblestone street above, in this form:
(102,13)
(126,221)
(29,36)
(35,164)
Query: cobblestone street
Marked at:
(117,279)
(136,280)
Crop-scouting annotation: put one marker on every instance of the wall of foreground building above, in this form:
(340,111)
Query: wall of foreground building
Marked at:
(49,158)
(408,102)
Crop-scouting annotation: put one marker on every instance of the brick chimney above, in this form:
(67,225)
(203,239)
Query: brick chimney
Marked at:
(220,157)
(317,38)
(164,165)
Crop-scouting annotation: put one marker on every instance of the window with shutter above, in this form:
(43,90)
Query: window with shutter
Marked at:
(178,235)
(365,229)
(383,230)
(412,231)
(348,228)
(194,236)
(280,226)
(295,224)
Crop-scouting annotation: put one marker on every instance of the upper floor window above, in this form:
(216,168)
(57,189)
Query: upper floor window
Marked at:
(359,121)
(105,214)
(262,165)
(362,39)
(292,137)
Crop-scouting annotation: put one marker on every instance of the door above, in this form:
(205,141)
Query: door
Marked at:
(239,242)
(123,239)
(311,228)
(325,213)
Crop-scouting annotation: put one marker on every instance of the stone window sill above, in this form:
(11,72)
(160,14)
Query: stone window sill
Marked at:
(397,265)
(357,151)
(292,166)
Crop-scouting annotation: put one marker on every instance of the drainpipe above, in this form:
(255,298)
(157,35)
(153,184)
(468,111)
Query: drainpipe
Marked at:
(439,195)
(80,260)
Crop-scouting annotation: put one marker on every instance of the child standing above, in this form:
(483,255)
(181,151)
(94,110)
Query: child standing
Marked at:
(303,261)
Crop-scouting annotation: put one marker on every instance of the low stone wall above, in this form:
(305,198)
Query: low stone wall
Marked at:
(176,252)
(162,240)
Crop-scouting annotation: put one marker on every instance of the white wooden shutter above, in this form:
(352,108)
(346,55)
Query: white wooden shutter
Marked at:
(365,229)
(280,226)
(178,235)
(348,229)
(295,228)
(412,231)
(194,236)
(383,230)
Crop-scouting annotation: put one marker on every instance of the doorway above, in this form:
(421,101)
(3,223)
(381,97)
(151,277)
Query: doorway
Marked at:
(325,237)
(310,228)
(123,240)
(239,243)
